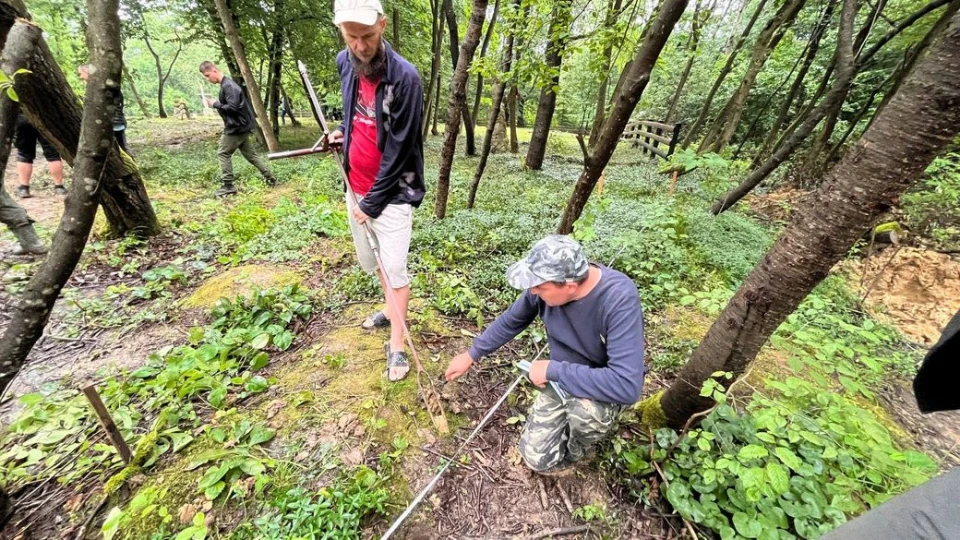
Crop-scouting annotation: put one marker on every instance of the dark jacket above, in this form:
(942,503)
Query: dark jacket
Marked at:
(936,382)
(399,115)
(233,108)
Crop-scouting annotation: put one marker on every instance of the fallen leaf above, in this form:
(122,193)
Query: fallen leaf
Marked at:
(346,420)
(352,457)
(275,406)
(186,513)
(426,435)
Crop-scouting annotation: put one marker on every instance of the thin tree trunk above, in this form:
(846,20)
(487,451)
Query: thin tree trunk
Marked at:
(436,109)
(471,145)
(694,130)
(483,53)
(606,58)
(275,54)
(559,34)
(917,124)
(456,104)
(136,95)
(624,102)
(396,30)
(766,42)
(254,91)
(512,107)
(812,48)
(845,73)
(496,100)
(293,118)
(437,48)
(51,106)
(700,18)
(33,308)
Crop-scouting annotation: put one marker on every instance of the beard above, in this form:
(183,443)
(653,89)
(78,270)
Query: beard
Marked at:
(375,68)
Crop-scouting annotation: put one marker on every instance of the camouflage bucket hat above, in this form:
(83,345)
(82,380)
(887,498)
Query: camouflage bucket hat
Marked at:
(555,258)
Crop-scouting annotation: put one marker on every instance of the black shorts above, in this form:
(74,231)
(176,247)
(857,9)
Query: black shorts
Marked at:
(26,140)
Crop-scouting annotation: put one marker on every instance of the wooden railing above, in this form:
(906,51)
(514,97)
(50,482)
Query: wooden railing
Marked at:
(656,138)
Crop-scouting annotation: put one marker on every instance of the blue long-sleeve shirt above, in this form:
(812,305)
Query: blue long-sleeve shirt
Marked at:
(596,343)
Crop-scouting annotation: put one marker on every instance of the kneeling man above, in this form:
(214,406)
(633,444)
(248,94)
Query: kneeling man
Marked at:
(594,328)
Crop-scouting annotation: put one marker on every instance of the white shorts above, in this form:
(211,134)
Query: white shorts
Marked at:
(391,231)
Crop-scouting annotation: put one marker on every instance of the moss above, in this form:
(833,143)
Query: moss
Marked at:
(242,280)
(651,412)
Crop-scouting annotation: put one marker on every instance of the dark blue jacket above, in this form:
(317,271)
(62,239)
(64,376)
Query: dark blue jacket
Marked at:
(399,138)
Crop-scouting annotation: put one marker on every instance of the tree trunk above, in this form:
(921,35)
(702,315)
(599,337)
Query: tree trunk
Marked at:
(50,105)
(559,34)
(471,145)
(496,100)
(694,130)
(35,304)
(916,125)
(136,95)
(457,103)
(275,54)
(156,61)
(606,58)
(625,101)
(254,91)
(437,48)
(396,30)
(293,118)
(700,18)
(845,73)
(812,48)
(436,109)
(483,53)
(766,42)
(512,108)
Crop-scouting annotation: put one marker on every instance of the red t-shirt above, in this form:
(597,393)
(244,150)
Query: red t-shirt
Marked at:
(364,154)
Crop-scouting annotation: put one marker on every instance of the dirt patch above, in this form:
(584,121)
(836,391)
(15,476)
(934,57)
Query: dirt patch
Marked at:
(936,433)
(916,290)
(777,205)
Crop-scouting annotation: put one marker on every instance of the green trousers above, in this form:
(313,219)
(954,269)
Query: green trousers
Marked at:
(230,144)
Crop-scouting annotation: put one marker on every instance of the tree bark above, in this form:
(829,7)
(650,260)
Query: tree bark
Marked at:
(606,58)
(845,73)
(50,105)
(436,109)
(812,48)
(457,103)
(625,101)
(236,46)
(471,145)
(700,17)
(917,124)
(33,308)
(127,76)
(766,42)
(275,54)
(694,130)
(483,53)
(559,34)
(512,108)
(496,100)
(437,48)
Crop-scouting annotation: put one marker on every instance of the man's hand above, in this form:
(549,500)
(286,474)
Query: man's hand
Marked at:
(538,373)
(458,366)
(333,140)
(207,102)
(359,216)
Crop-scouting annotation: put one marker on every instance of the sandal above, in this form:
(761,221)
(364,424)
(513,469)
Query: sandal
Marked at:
(377,320)
(396,359)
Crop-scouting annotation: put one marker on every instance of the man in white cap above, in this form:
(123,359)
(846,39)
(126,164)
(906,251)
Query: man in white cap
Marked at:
(383,154)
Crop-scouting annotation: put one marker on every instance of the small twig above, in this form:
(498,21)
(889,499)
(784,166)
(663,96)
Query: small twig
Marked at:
(565,497)
(441,456)
(583,148)
(544,501)
(82,532)
(560,531)
(690,528)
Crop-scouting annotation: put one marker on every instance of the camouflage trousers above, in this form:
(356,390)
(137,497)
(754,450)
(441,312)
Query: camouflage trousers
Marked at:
(557,434)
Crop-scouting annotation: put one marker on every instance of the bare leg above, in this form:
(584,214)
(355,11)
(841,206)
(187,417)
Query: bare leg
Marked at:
(402,297)
(25,170)
(56,171)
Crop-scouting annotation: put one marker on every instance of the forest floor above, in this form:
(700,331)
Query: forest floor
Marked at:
(267,415)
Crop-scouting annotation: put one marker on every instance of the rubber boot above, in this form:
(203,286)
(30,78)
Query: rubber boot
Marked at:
(30,243)
(226,190)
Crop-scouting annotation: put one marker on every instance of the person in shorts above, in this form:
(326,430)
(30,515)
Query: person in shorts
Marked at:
(25,140)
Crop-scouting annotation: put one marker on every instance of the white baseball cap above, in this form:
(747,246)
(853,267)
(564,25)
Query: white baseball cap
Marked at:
(359,11)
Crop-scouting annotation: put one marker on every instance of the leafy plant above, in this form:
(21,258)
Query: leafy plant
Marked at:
(234,463)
